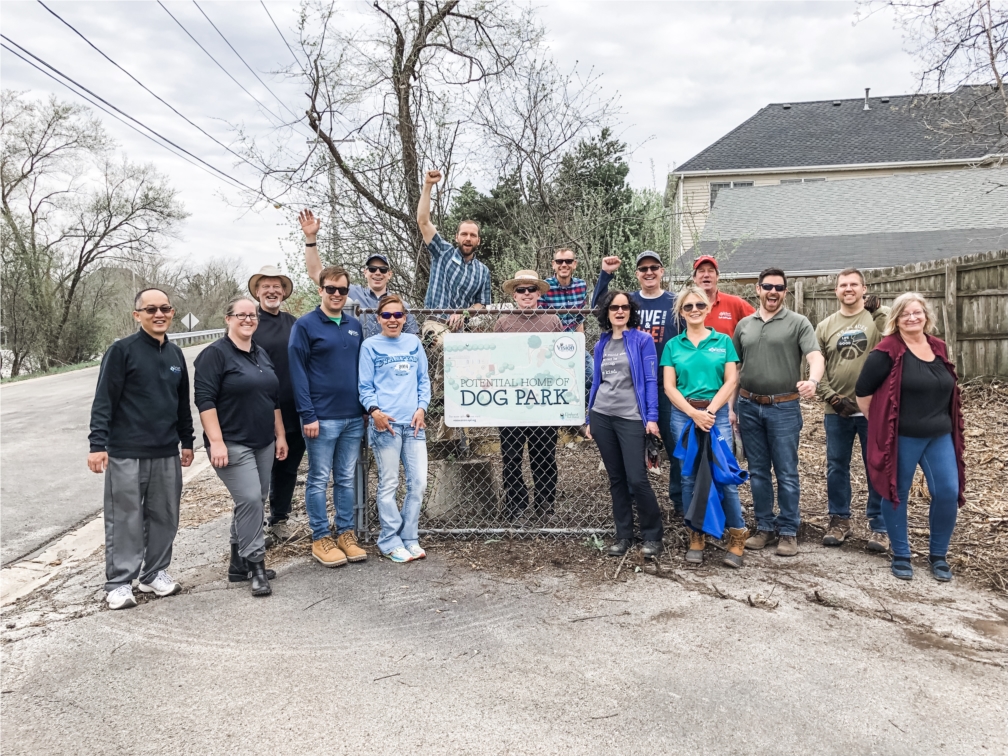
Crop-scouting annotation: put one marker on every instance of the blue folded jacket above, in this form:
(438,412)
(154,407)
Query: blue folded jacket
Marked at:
(709,458)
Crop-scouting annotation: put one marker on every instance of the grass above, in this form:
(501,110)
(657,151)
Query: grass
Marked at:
(52,371)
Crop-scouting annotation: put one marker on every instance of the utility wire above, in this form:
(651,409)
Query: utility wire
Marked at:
(146,88)
(280,33)
(127,115)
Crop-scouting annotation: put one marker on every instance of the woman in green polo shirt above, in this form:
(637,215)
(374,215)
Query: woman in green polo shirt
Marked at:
(700,377)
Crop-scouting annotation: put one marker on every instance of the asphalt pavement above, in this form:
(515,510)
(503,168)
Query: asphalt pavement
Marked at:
(45,485)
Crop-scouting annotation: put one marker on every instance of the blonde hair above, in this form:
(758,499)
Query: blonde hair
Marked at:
(685,292)
(900,305)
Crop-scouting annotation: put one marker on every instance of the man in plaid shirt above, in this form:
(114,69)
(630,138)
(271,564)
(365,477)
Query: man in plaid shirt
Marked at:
(566,292)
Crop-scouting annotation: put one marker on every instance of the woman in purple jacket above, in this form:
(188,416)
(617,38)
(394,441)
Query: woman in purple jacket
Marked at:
(622,411)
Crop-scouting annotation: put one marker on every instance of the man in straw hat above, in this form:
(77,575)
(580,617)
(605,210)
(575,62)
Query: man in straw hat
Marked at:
(526,287)
(270,288)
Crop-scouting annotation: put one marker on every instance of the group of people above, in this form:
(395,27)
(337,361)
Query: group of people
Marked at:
(696,369)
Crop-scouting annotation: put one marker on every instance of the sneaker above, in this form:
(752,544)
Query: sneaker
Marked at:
(121,598)
(347,543)
(836,534)
(281,531)
(878,543)
(787,546)
(400,555)
(761,539)
(162,585)
(327,553)
(415,551)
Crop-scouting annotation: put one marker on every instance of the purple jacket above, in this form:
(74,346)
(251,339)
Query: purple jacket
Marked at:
(643,361)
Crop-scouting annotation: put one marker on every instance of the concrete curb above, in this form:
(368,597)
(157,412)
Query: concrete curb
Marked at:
(24,577)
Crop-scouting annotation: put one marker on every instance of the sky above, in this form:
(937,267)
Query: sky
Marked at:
(684,75)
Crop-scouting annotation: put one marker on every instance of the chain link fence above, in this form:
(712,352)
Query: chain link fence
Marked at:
(504,481)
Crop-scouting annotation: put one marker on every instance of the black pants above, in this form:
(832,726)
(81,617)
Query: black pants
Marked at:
(621,444)
(542,443)
(284,477)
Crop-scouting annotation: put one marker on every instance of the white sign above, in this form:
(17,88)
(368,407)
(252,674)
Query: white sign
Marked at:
(190,321)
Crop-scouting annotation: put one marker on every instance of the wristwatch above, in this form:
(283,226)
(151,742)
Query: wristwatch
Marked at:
(372,408)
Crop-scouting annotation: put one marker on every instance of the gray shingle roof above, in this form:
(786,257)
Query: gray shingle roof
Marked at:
(822,133)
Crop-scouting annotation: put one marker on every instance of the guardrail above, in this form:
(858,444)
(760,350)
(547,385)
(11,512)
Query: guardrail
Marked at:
(193,337)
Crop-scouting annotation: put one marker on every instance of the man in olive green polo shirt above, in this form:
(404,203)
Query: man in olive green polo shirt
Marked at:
(770,344)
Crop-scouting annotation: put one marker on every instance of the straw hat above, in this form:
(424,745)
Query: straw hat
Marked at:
(523,278)
(271,271)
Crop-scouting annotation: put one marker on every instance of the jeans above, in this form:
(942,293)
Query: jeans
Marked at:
(399,528)
(621,444)
(283,477)
(840,433)
(729,494)
(247,477)
(542,442)
(770,434)
(936,457)
(334,451)
(675,492)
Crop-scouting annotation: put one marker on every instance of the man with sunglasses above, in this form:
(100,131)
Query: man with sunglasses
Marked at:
(324,351)
(770,344)
(565,291)
(656,307)
(139,417)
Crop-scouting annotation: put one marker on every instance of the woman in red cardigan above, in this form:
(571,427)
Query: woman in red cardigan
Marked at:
(909,391)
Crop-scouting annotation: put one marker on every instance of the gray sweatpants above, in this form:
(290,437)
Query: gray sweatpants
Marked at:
(247,477)
(141,517)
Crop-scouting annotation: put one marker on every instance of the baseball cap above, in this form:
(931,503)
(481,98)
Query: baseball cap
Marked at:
(379,256)
(704,259)
(649,253)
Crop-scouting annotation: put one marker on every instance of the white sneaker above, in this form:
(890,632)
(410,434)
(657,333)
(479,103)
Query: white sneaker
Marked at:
(162,585)
(415,551)
(121,598)
(399,555)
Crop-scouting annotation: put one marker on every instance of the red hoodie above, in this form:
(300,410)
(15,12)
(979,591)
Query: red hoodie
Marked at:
(883,420)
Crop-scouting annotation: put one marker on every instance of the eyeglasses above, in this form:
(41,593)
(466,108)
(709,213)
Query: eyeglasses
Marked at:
(698,306)
(245,316)
(151,309)
(617,308)
(377,269)
(341,290)
(648,268)
(908,314)
(525,289)
(569,261)
(390,315)
(773,287)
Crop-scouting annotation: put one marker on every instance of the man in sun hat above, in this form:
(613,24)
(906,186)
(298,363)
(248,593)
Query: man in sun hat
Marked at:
(270,288)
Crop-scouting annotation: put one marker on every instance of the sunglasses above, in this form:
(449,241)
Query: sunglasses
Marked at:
(648,268)
(617,308)
(246,316)
(570,261)
(773,287)
(341,290)
(151,309)
(390,315)
(525,289)
(698,306)
(377,269)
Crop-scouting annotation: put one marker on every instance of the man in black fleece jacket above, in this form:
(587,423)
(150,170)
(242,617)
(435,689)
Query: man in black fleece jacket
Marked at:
(139,416)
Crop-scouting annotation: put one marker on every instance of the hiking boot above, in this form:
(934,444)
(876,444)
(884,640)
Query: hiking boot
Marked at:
(651,549)
(697,541)
(619,547)
(836,534)
(878,543)
(347,543)
(162,585)
(121,598)
(762,539)
(326,553)
(736,547)
(787,546)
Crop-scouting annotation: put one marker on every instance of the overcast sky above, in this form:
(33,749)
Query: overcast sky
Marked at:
(685,74)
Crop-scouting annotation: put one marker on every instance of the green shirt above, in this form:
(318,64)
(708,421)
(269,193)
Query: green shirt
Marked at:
(337,319)
(845,341)
(699,369)
(771,352)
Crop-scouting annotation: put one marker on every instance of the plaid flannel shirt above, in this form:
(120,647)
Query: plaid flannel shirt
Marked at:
(455,283)
(566,297)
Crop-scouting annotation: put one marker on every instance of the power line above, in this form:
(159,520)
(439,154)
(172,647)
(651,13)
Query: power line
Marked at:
(127,115)
(146,88)
(280,32)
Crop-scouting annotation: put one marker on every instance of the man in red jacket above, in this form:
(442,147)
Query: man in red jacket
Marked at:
(726,310)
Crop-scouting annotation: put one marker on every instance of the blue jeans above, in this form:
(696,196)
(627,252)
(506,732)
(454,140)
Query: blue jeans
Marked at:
(770,434)
(675,491)
(334,451)
(840,433)
(936,457)
(399,529)
(729,494)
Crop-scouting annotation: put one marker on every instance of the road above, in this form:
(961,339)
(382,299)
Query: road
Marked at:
(45,485)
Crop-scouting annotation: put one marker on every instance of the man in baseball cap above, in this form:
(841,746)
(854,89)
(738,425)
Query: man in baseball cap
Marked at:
(726,310)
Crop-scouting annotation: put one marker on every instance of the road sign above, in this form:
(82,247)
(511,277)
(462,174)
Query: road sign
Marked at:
(190,321)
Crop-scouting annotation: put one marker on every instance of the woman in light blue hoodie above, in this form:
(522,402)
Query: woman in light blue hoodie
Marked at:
(394,385)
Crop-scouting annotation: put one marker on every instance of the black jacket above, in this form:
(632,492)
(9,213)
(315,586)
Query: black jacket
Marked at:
(273,335)
(141,405)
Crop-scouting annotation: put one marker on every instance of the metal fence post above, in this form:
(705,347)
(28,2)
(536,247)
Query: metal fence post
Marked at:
(362,523)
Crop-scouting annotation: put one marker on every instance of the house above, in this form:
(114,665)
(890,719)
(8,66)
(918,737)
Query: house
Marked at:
(819,228)
(828,140)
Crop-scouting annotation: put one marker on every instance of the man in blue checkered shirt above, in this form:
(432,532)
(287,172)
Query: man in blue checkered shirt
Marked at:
(457,279)
(566,292)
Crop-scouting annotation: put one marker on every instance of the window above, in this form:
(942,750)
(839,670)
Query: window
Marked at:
(717,186)
(803,180)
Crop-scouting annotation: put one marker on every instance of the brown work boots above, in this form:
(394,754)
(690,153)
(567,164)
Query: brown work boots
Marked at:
(697,541)
(736,547)
(347,543)
(327,553)
(837,532)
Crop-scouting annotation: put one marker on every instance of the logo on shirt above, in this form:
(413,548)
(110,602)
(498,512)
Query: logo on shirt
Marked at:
(852,344)
(724,315)
(353,332)
(402,368)
(175,369)
(717,350)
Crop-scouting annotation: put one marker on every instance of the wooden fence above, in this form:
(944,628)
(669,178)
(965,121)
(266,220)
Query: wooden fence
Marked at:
(969,295)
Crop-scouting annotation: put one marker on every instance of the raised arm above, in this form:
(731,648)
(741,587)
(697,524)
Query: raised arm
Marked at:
(609,267)
(427,228)
(310,226)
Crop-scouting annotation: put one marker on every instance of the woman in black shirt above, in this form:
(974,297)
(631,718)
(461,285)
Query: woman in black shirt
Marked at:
(237,395)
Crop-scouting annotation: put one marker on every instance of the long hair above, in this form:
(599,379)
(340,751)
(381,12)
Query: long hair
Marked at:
(602,311)
(898,306)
